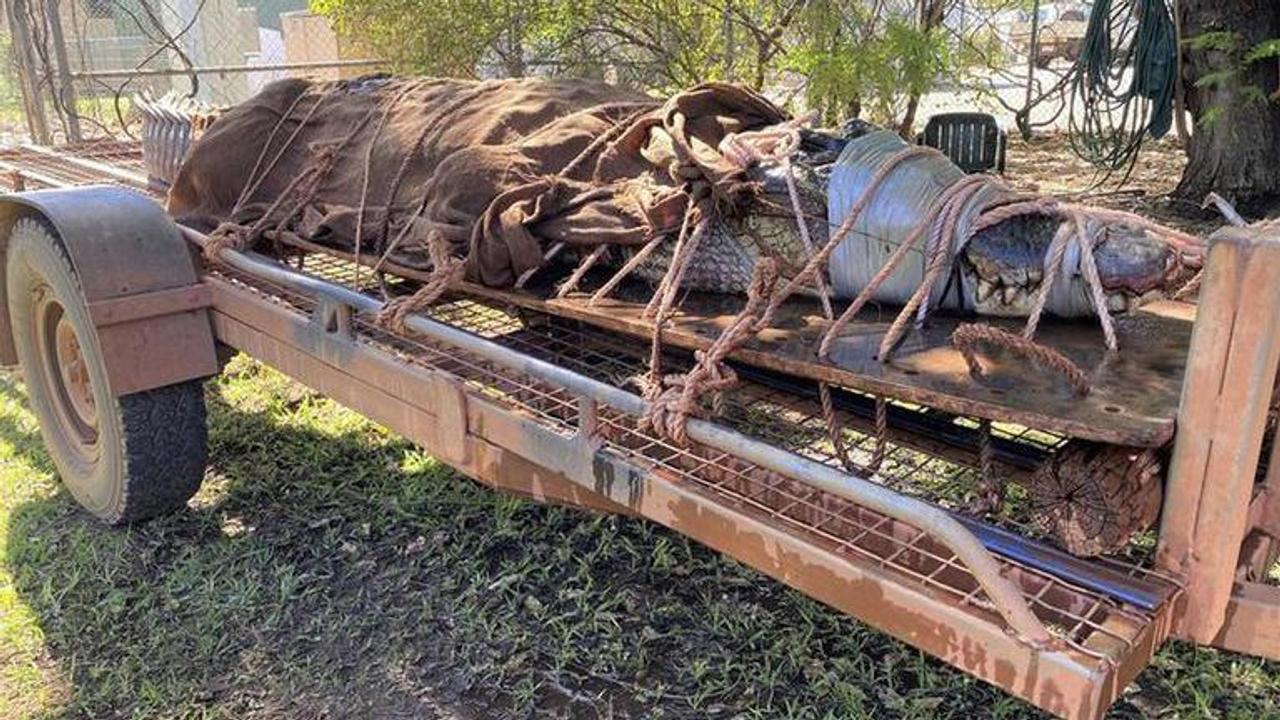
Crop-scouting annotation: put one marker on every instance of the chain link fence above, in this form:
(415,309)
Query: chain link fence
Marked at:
(73,67)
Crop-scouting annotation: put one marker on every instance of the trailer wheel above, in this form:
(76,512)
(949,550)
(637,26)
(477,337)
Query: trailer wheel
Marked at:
(123,458)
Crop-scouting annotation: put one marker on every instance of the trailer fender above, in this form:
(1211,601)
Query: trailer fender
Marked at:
(138,278)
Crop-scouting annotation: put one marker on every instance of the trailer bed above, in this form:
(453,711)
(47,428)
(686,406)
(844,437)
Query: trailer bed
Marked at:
(522,433)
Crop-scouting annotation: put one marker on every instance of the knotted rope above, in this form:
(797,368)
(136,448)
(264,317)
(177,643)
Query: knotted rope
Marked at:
(255,179)
(673,400)
(366,172)
(447,271)
(969,336)
(305,185)
(940,228)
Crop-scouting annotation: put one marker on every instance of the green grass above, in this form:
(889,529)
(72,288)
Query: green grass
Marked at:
(328,569)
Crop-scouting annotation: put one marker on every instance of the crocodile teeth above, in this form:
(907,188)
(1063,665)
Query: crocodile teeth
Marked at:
(986,289)
(1035,275)
(1009,295)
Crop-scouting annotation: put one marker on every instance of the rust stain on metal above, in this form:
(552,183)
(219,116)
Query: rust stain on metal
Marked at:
(515,452)
(1134,402)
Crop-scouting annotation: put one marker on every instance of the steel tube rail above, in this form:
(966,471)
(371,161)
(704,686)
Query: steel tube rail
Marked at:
(1004,595)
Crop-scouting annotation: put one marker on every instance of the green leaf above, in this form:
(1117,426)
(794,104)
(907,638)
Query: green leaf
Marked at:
(1216,79)
(1264,50)
(1222,41)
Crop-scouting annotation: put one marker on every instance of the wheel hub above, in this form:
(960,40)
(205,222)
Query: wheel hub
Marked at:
(74,372)
(67,373)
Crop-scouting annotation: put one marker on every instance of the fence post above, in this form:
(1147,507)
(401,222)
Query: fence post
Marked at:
(66,91)
(1230,372)
(28,83)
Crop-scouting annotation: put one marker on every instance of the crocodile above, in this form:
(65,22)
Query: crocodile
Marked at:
(999,270)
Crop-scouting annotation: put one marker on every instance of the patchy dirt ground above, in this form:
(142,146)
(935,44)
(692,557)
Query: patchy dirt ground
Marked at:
(1046,164)
(331,570)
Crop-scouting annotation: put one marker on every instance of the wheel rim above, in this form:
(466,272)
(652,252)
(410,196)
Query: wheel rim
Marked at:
(66,372)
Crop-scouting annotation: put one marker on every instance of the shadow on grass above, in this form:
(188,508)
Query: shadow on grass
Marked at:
(330,570)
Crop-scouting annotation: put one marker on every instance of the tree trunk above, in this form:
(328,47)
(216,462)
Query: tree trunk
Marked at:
(1236,141)
(932,13)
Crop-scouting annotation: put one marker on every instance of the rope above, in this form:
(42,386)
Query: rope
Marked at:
(818,261)
(670,408)
(1189,246)
(835,429)
(447,271)
(591,149)
(967,337)
(797,209)
(1191,288)
(364,180)
(547,257)
(990,493)
(238,237)
(745,149)
(587,263)
(885,271)
(306,184)
(1089,268)
(777,144)
(1052,264)
(654,381)
(251,185)
(941,225)
(664,297)
(674,400)
(882,434)
(414,149)
(393,315)
(640,256)
(604,138)
(945,217)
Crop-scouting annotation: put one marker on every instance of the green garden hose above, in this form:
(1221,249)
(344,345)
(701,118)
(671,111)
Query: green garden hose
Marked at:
(1122,86)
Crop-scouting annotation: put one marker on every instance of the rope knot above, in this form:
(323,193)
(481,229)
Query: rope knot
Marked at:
(227,235)
(674,398)
(448,273)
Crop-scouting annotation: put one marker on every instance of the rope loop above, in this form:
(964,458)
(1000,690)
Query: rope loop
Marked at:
(969,336)
(393,315)
(674,398)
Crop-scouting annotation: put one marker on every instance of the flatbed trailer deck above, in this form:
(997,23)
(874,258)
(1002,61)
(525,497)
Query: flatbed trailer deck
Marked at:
(534,402)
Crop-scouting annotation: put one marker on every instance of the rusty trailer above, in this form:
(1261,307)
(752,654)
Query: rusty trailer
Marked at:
(531,400)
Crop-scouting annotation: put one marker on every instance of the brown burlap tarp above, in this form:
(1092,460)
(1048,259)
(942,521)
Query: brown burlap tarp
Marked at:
(499,170)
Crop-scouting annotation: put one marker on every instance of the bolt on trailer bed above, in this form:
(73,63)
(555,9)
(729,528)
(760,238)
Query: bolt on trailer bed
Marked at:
(528,399)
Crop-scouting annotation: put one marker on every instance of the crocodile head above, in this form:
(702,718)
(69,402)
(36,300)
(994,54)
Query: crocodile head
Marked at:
(1005,265)
(1002,266)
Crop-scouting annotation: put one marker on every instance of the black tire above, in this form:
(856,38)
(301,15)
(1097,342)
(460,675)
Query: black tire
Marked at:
(123,459)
